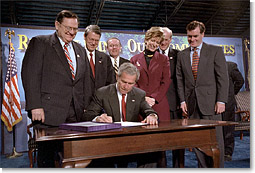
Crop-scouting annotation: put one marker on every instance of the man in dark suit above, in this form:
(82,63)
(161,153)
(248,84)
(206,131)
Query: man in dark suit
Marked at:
(202,81)
(55,76)
(114,48)
(172,94)
(236,82)
(107,106)
(102,72)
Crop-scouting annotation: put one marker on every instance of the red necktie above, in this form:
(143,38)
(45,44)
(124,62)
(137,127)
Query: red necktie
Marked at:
(92,65)
(70,62)
(123,107)
(195,61)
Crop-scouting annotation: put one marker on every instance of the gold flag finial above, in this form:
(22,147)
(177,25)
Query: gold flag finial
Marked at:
(9,33)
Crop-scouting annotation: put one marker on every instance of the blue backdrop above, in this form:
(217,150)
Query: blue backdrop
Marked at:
(132,43)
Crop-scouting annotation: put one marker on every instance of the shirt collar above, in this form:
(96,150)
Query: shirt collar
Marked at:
(198,47)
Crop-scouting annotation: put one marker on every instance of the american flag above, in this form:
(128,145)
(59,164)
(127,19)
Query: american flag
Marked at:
(11,110)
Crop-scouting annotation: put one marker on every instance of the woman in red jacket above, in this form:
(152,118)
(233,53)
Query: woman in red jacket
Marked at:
(154,73)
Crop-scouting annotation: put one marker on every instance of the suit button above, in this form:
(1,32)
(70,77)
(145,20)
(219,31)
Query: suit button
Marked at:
(49,98)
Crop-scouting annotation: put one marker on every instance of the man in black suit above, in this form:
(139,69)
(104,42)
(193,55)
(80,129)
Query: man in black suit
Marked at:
(172,94)
(106,106)
(101,69)
(236,82)
(202,81)
(55,78)
(114,48)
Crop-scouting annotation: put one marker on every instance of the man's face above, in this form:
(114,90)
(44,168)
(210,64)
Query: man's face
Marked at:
(92,40)
(125,82)
(67,30)
(152,44)
(114,48)
(166,42)
(195,38)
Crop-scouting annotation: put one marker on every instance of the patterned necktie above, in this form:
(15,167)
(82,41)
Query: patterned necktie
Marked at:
(195,61)
(70,62)
(92,65)
(116,68)
(123,107)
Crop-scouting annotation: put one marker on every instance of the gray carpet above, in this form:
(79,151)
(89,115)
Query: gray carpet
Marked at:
(240,158)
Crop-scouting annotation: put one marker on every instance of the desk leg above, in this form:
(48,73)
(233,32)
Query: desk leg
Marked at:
(216,157)
(76,164)
(213,152)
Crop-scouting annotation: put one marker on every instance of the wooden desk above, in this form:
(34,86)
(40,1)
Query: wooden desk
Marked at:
(80,148)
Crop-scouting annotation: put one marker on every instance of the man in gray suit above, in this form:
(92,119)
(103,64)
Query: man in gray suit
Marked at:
(202,81)
(106,106)
(55,78)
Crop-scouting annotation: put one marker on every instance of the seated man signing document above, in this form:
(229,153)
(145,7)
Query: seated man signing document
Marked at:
(121,101)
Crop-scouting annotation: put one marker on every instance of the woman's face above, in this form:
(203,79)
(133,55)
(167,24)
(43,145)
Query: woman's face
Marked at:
(152,44)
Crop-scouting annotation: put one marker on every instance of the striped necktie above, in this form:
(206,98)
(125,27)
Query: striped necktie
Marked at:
(195,62)
(70,62)
(116,68)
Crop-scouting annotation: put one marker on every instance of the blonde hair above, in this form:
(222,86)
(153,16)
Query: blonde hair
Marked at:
(154,32)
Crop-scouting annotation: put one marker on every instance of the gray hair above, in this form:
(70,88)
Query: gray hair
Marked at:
(168,30)
(92,28)
(130,69)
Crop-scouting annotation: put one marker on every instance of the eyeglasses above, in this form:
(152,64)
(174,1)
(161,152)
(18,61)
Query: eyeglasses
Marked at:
(68,28)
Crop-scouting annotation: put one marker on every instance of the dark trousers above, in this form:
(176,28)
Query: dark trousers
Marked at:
(49,153)
(205,161)
(228,133)
(177,155)
(146,160)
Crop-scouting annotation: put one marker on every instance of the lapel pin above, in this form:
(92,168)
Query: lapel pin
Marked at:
(78,56)
(138,64)
(171,57)
(100,62)
(133,100)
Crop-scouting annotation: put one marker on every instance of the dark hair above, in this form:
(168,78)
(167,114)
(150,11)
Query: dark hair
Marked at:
(92,28)
(66,14)
(194,24)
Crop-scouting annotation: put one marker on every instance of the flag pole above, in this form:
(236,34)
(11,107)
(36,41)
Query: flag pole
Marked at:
(14,153)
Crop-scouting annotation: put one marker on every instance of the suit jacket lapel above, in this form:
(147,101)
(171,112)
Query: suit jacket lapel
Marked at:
(114,103)
(78,61)
(202,60)
(61,55)
(142,62)
(130,105)
(187,63)
(98,63)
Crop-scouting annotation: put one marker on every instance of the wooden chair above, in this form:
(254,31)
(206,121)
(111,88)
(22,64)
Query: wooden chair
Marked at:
(243,112)
(32,146)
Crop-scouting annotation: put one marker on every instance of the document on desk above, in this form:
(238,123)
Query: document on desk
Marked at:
(131,124)
(89,126)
